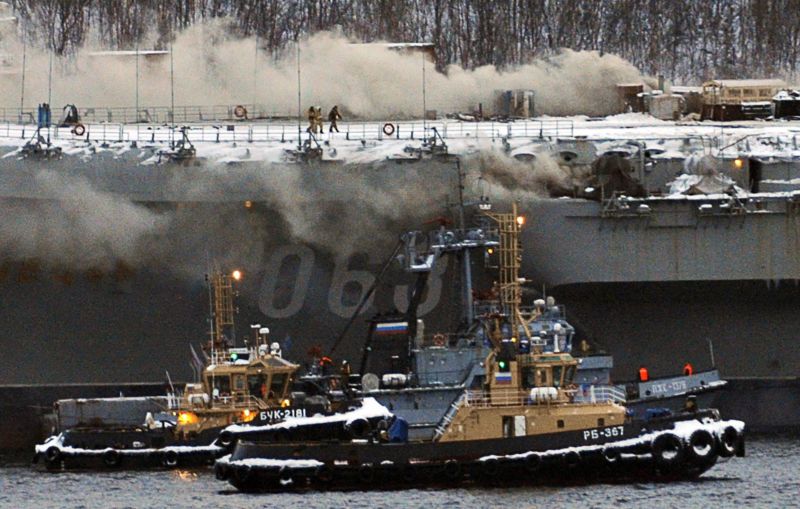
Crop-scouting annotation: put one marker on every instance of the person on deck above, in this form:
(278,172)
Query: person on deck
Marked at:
(333,117)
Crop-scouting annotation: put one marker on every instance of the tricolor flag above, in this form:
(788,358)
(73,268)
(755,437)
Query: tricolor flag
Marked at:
(391,328)
(501,377)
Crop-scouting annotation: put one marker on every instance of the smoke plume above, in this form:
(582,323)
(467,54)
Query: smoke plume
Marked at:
(366,80)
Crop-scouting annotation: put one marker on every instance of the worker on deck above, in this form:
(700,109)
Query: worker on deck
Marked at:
(333,117)
(312,120)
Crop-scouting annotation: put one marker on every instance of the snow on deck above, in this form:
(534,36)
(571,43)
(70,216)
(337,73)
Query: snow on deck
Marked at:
(369,409)
(58,442)
(366,142)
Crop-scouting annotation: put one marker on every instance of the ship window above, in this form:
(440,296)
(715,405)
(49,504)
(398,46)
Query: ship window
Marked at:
(238,383)
(257,386)
(560,423)
(222,384)
(528,378)
(601,422)
(276,387)
(557,376)
(570,374)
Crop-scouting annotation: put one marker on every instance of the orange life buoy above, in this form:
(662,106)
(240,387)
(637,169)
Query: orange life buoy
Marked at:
(388,129)
(78,130)
(688,370)
(240,111)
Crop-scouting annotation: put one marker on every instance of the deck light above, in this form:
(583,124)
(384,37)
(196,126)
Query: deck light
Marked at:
(520,220)
(738,163)
(236,274)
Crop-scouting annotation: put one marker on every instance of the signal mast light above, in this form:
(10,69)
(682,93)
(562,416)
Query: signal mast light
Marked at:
(520,220)
(236,275)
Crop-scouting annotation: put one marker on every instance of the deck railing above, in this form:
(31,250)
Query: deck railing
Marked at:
(285,132)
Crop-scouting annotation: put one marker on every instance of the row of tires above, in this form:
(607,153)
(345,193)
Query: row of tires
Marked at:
(702,448)
(114,458)
(670,455)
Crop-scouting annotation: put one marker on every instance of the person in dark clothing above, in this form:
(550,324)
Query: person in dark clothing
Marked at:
(333,117)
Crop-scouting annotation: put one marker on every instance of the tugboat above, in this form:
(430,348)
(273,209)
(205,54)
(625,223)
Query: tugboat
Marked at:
(237,385)
(523,424)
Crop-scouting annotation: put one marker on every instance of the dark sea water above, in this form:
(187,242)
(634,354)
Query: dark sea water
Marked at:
(768,477)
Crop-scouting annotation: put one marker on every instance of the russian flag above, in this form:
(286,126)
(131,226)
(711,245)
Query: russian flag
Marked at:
(502,378)
(391,328)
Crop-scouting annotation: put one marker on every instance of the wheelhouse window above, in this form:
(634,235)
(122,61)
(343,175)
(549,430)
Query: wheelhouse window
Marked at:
(221,386)
(276,385)
(257,386)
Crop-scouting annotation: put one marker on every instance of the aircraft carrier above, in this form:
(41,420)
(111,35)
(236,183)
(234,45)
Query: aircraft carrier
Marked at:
(667,242)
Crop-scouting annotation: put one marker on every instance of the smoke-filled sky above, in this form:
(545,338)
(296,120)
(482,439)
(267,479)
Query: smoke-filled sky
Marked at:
(212,67)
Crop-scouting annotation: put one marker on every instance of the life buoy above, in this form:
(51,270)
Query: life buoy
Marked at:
(571,459)
(170,459)
(452,470)
(220,472)
(111,458)
(240,111)
(439,339)
(78,130)
(388,129)
(359,428)
(533,462)
(667,451)
(728,440)
(702,447)
(52,454)
(366,474)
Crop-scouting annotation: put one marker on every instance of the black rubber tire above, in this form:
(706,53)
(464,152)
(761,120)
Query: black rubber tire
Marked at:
(324,473)
(169,459)
(359,428)
(452,470)
(366,474)
(702,449)
(226,439)
(611,455)
(52,454)
(388,129)
(408,473)
(79,130)
(490,467)
(668,451)
(220,472)
(572,459)
(112,458)
(533,462)
(243,473)
(728,441)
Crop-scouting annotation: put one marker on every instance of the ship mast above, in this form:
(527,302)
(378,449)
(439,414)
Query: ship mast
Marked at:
(222,310)
(510,255)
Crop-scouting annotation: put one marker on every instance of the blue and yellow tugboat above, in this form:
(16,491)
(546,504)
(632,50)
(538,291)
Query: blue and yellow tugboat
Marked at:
(525,423)
(237,384)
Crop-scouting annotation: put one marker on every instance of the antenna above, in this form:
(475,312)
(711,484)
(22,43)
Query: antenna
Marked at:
(172,93)
(424,102)
(255,74)
(299,106)
(49,91)
(136,113)
(22,85)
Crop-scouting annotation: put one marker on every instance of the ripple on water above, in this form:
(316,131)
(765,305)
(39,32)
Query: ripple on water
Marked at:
(768,477)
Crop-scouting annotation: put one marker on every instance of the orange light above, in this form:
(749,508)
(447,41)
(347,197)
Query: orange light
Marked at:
(248,204)
(738,163)
(490,250)
(185,418)
(236,274)
(247,415)
(285,403)
(520,220)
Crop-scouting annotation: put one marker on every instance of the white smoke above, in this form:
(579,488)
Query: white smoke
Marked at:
(212,67)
